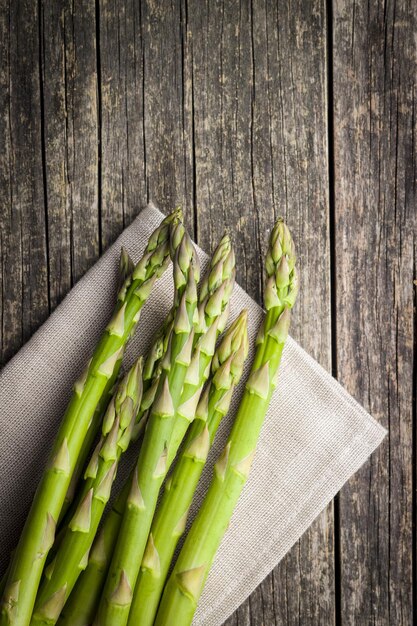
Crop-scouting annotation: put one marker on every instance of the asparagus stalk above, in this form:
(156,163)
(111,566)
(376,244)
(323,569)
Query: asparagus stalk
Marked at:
(151,466)
(170,519)
(184,587)
(150,377)
(39,531)
(82,603)
(72,555)
(86,449)
(213,310)
(126,267)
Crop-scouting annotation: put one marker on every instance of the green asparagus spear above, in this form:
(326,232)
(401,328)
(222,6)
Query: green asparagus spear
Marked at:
(86,450)
(151,467)
(170,518)
(184,587)
(82,603)
(213,311)
(39,531)
(126,267)
(72,555)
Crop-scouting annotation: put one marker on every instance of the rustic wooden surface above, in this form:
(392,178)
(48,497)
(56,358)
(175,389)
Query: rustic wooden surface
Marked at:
(240,111)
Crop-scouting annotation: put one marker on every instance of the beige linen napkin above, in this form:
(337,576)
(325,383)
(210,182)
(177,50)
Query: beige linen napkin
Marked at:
(314,438)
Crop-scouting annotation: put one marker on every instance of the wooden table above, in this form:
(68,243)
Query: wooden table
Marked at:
(240,112)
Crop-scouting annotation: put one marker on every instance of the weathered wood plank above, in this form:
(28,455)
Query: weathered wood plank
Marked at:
(82,133)
(375,231)
(69,70)
(260,137)
(167,129)
(53,51)
(146,145)
(123,173)
(221,107)
(221,83)
(22,217)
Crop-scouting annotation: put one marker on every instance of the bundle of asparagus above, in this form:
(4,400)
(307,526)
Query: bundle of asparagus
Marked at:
(119,577)
(72,554)
(170,416)
(184,587)
(170,520)
(81,606)
(122,423)
(39,531)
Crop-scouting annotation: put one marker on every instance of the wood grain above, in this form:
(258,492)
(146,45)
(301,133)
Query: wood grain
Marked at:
(146,146)
(24,279)
(223,107)
(375,236)
(166,119)
(71,126)
(123,170)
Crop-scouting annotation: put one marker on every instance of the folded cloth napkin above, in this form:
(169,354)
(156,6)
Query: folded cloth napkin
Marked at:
(314,438)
